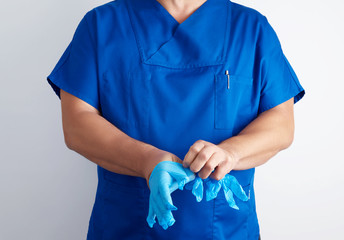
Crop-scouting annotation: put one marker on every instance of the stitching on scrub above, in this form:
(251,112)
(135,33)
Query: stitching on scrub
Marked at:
(276,103)
(149,92)
(161,14)
(129,100)
(263,28)
(115,186)
(229,14)
(186,66)
(246,185)
(141,52)
(75,93)
(162,45)
(212,223)
(215,102)
(249,208)
(292,75)
(241,79)
(89,33)
(241,82)
(138,45)
(94,48)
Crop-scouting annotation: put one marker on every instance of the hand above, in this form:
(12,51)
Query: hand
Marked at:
(166,177)
(229,185)
(208,159)
(154,157)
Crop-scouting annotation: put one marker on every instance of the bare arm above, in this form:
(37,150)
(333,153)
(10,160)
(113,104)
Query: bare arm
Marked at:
(91,135)
(271,132)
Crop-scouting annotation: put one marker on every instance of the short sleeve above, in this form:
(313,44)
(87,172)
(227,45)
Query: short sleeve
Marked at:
(76,71)
(277,78)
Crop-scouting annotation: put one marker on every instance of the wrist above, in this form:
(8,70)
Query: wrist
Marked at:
(233,155)
(234,158)
(151,158)
(154,156)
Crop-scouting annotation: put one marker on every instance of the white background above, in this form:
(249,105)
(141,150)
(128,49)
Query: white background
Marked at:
(47,191)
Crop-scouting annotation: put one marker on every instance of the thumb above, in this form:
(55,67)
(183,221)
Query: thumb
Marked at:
(176,159)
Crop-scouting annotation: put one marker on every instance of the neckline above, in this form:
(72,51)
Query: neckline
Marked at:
(165,12)
(198,41)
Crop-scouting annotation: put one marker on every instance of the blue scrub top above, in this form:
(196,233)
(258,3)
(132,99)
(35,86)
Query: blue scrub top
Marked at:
(164,83)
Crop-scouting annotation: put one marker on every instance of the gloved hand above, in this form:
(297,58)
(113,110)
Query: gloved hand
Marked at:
(229,185)
(166,177)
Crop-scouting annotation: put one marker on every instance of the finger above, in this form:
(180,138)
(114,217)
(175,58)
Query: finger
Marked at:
(201,159)
(212,189)
(229,196)
(197,189)
(151,214)
(165,217)
(159,216)
(236,188)
(180,177)
(220,171)
(192,153)
(180,174)
(210,165)
(176,159)
(163,194)
(189,185)
(191,175)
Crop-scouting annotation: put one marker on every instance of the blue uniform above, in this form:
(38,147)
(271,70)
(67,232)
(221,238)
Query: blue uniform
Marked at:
(169,85)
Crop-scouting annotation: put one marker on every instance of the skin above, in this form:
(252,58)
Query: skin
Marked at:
(180,10)
(89,134)
(271,132)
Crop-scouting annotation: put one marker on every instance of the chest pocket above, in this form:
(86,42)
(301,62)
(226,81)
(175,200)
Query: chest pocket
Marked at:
(233,101)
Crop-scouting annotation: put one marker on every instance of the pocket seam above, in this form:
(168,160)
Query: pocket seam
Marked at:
(220,98)
(122,187)
(241,79)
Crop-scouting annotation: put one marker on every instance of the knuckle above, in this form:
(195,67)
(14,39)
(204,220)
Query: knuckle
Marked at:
(202,175)
(202,155)
(217,175)
(208,167)
(193,168)
(194,149)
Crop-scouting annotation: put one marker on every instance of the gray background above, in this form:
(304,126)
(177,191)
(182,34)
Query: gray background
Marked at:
(47,190)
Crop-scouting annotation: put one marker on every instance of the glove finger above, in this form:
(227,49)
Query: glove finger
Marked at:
(180,174)
(236,188)
(191,175)
(180,178)
(151,214)
(159,216)
(197,189)
(189,185)
(165,217)
(164,197)
(212,189)
(229,197)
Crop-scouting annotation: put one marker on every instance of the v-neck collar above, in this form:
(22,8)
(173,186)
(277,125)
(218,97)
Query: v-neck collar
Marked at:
(196,42)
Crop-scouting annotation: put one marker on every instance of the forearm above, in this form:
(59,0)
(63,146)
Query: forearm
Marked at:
(271,132)
(101,142)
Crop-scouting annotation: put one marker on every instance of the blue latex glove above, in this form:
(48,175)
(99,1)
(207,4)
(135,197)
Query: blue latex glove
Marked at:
(229,185)
(165,178)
